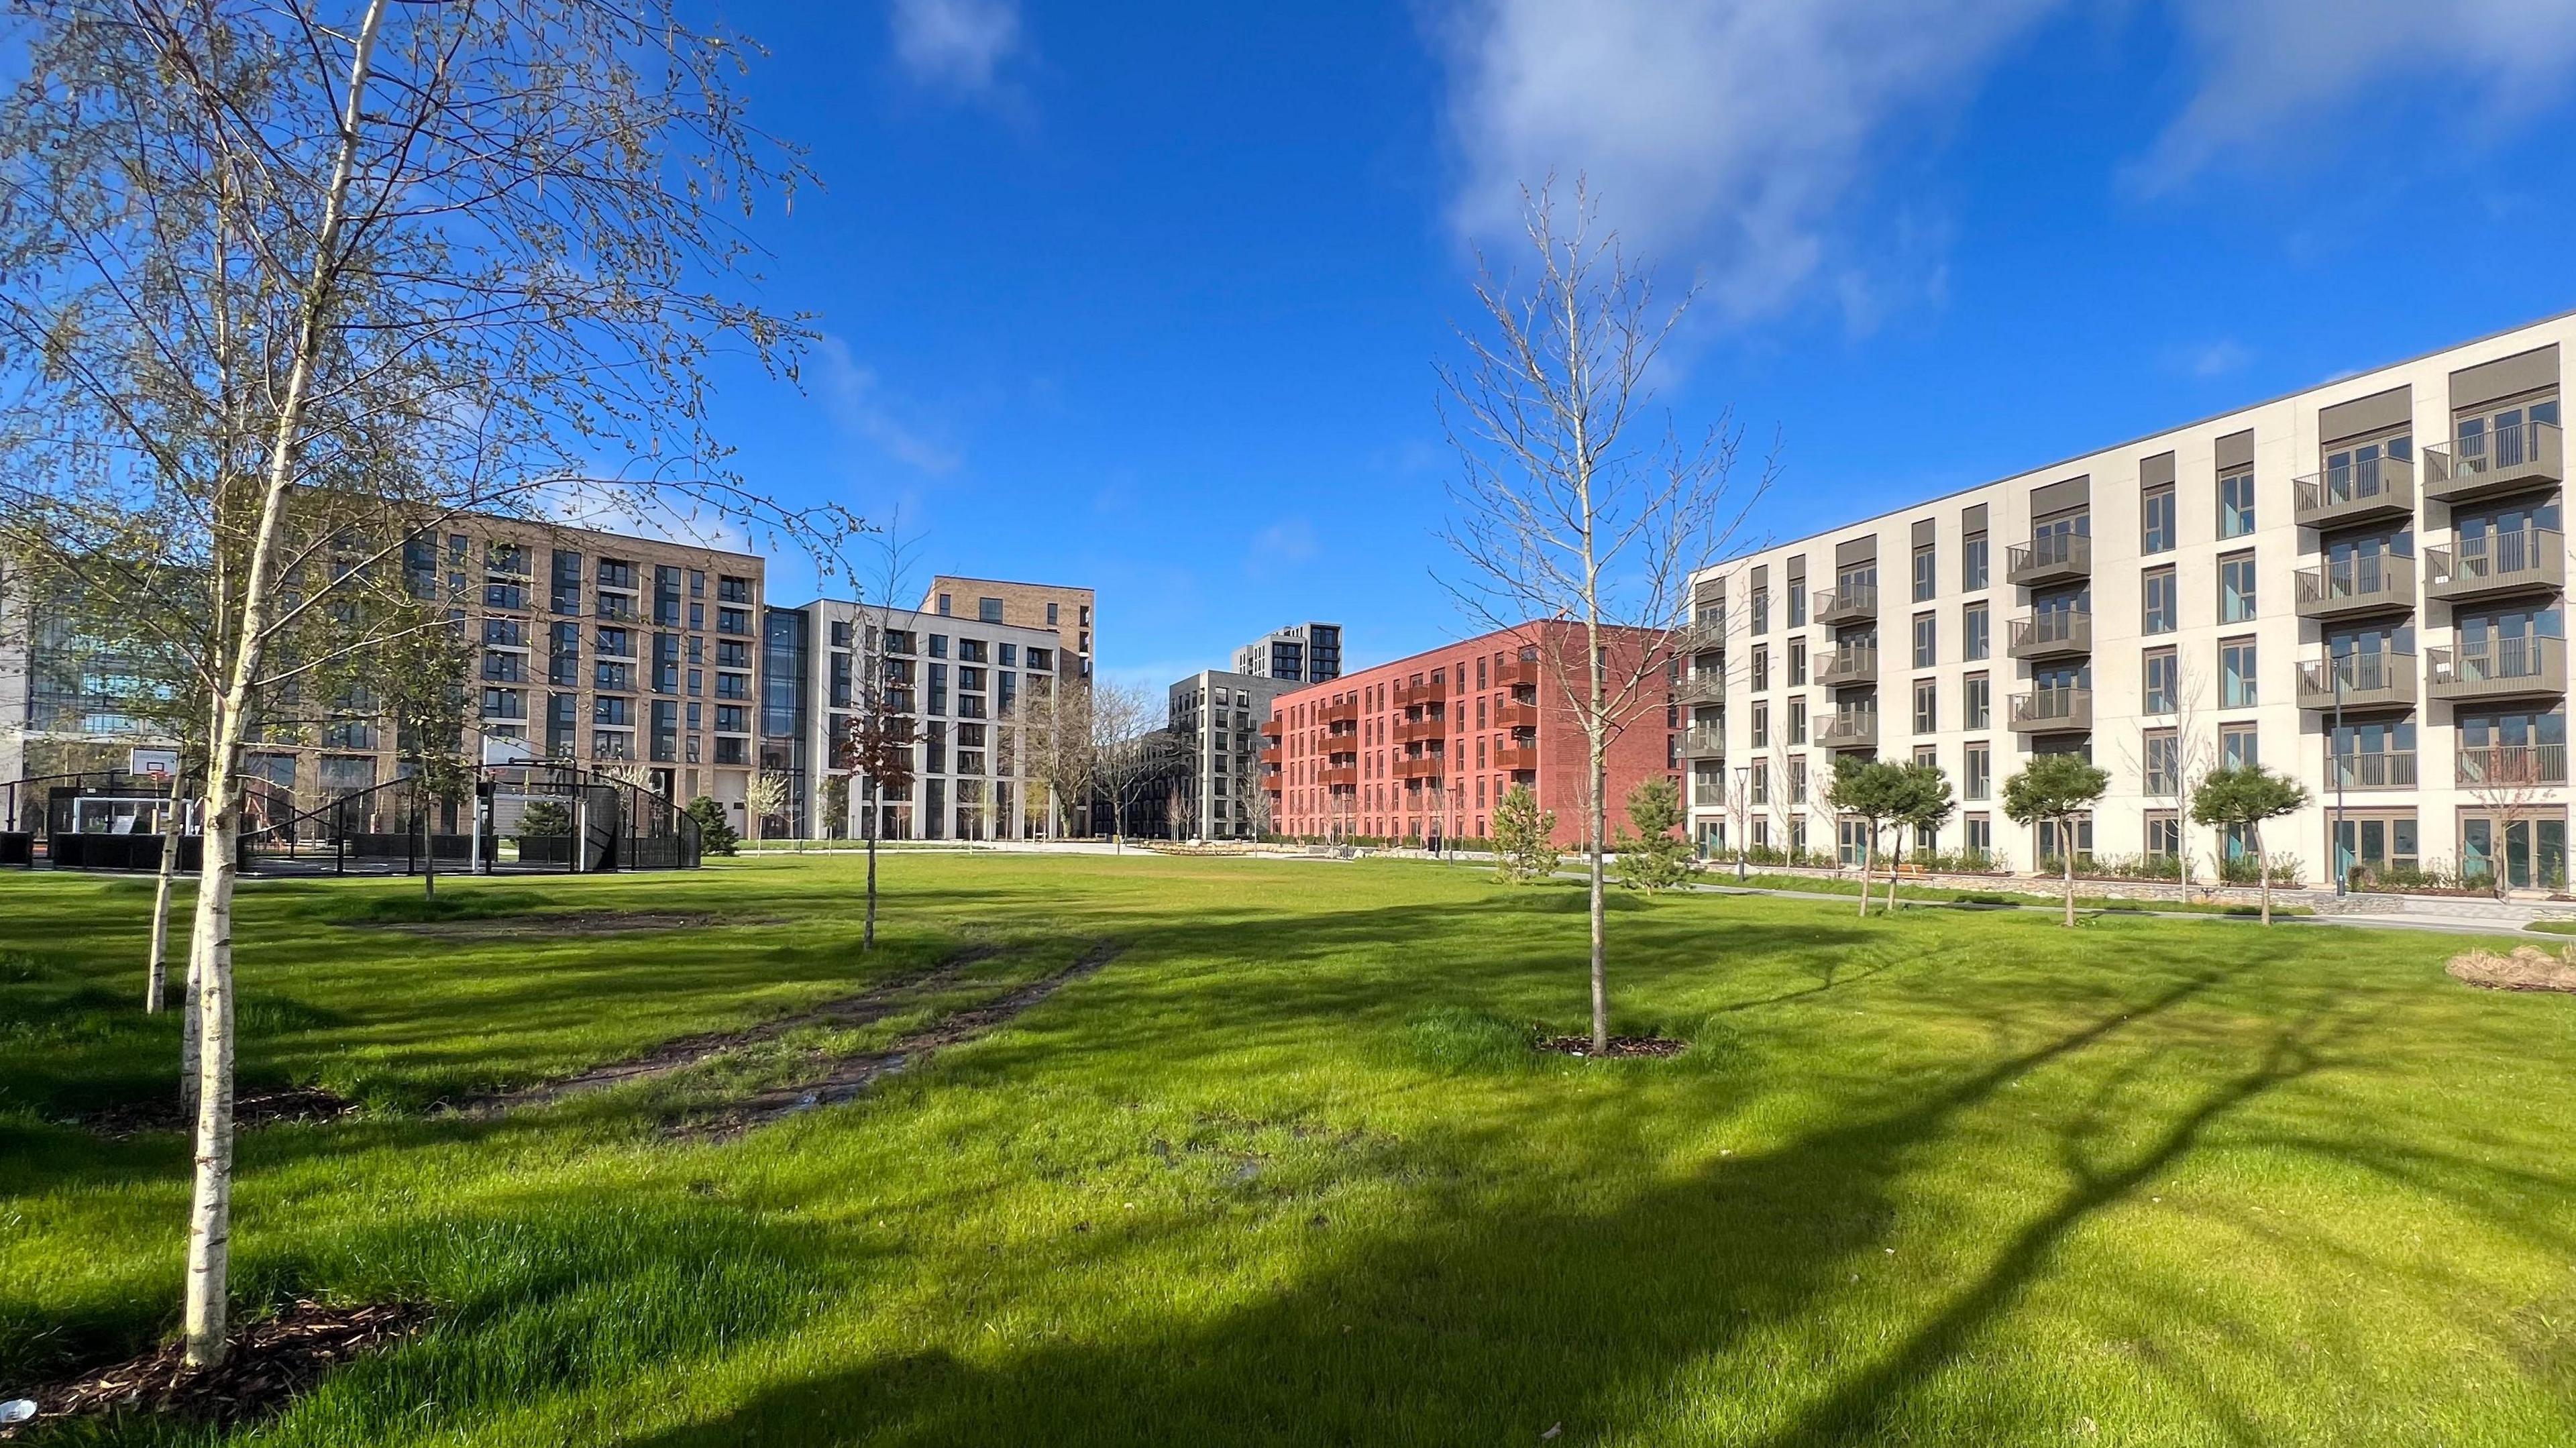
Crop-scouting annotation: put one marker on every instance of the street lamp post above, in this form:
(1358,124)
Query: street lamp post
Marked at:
(1742,811)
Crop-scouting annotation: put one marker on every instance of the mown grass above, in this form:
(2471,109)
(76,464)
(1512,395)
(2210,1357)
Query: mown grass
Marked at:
(1286,1172)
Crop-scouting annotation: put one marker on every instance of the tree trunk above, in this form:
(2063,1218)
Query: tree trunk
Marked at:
(191,1041)
(1895,857)
(210,1209)
(868,937)
(1600,902)
(2067,862)
(2263,868)
(156,967)
(1868,858)
(428,857)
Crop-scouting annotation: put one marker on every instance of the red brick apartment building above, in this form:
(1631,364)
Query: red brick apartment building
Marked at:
(1426,745)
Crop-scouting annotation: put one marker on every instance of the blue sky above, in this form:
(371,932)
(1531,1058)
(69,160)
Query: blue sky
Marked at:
(1148,296)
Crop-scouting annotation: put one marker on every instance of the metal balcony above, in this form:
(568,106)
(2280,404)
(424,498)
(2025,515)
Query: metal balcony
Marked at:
(1695,687)
(1848,729)
(2057,633)
(1847,605)
(2377,488)
(1517,758)
(2490,766)
(2056,558)
(2505,460)
(2515,668)
(2358,681)
(1430,726)
(2373,769)
(1513,714)
(1850,664)
(1333,774)
(2063,710)
(1703,742)
(2515,562)
(1430,765)
(2379,583)
(1700,636)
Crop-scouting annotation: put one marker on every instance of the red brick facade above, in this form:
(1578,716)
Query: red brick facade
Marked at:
(1426,745)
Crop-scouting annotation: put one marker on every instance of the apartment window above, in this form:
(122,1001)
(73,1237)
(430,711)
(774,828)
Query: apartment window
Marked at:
(1797,777)
(1975,636)
(1051,615)
(946,605)
(1977,831)
(1797,721)
(988,610)
(2160,761)
(1924,582)
(2236,504)
(1761,724)
(1926,640)
(2236,677)
(1972,562)
(2163,681)
(1760,787)
(2156,521)
(2164,834)
(1927,707)
(2236,747)
(1762,610)
(1797,660)
(2162,592)
(2236,588)
(1977,772)
(1797,601)
(1761,668)
(1976,702)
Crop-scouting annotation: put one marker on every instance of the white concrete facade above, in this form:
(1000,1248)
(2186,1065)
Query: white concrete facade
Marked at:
(2405,520)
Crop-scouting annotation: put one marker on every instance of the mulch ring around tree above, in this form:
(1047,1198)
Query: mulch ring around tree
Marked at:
(272,1362)
(251,1110)
(1621,1047)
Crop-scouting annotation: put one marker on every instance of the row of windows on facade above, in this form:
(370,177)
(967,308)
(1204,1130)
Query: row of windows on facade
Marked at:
(989,610)
(508,580)
(973,746)
(902,642)
(2351,469)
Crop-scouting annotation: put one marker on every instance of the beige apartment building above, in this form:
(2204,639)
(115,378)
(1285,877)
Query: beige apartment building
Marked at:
(1061,609)
(2361,585)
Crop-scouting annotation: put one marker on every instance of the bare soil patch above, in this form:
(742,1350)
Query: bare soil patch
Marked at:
(1623,1047)
(273,1361)
(559,924)
(844,1078)
(872,1004)
(2528,968)
(251,1110)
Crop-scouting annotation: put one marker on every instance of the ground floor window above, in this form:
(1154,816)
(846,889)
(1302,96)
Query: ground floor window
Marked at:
(2164,834)
(2056,841)
(2529,851)
(2375,843)
(1977,832)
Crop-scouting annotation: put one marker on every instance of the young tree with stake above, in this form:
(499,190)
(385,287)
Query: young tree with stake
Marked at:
(2244,798)
(1574,520)
(1868,790)
(2057,790)
(1923,804)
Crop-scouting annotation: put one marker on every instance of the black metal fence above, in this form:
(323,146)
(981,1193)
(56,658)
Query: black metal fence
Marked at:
(535,818)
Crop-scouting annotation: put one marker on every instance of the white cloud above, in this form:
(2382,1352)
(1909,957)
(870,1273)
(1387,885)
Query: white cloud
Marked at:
(958,44)
(2210,359)
(857,403)
(2274,72)
(1727,131)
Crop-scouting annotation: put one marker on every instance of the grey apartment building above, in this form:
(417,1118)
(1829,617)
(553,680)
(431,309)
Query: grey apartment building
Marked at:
(964,683)
(2362,585)
(1214,721)
(1301,653)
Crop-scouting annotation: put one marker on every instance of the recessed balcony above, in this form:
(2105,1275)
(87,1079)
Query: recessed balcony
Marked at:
(1518,757)
(2520,561)
(1514,714)
(1338,774)
(2491,766)
(1855,603)
(2358,681)
(1703,741)
(2501,460)
(2378,583)
(1850,664)
(1848,729)
(2065,709)
(1428,765)
(2499,668)
(2369,491)
(2054,558)
(1696,687)
(1700,636)
(2056,633)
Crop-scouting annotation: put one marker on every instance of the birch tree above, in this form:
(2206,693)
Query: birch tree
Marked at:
(302,279)
(1574,513)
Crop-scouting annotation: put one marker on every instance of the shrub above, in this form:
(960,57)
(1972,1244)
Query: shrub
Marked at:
(716,835)
(1524,835)
(545,820)
(1656,857)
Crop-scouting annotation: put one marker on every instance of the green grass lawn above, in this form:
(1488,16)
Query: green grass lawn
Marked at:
(1285,1172)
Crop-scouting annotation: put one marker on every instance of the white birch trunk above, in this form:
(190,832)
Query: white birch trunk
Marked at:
(156,966)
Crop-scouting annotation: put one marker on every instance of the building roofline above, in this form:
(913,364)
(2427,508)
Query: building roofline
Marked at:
(2149,436)
(938,578)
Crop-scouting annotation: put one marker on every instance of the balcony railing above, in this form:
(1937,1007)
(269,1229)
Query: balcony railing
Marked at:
(1421,766)
(2062,709)
(2525,455)
(1514,714)
(1429,726)
(2491,766)
(1404,695)
(1333,774)
(1695,687)
(2051,558)
(2499,668)
(2051,634)
(1700,636)
(2355,493)
(1702,741)
(2505,562)
(2358,681)
(1849,604)
(1273,757)
(1516,674)
(2373,769)
(1517,758)
(1850,664)
(2370,583)
(1848,729)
